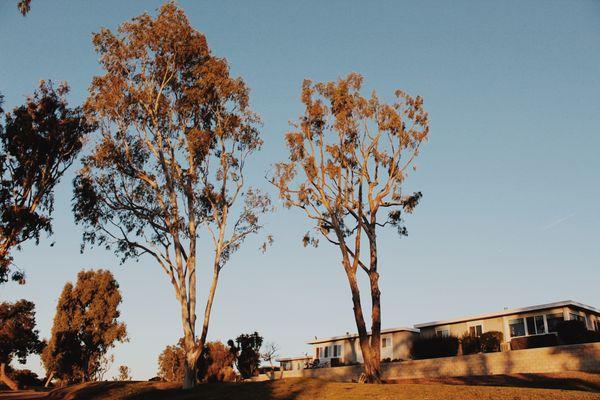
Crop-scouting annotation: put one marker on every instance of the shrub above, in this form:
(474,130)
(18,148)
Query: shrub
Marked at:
(574,332)
(490,341)
(26,378)
(433,347)
(531,342)
(470,344)
(246,349)
(170,363)
(216,363)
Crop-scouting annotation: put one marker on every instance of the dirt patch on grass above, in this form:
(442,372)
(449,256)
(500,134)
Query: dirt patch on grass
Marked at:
(308,389)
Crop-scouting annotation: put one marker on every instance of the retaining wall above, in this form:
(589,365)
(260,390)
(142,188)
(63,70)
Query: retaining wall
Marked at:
(579,357)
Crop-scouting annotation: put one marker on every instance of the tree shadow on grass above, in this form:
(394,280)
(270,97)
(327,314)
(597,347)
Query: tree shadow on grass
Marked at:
(290,389)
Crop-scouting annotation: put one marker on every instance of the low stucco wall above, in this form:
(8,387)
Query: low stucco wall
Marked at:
(580,357)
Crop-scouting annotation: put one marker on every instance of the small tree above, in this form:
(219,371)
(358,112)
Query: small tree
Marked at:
(269,354)
(38,143)
(18,336)
(349,156)
(247,352)
(176,132)
(124,374)
(170,363)
(104,365)
(86,326)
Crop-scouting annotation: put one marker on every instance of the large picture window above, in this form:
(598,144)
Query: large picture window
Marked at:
(535,325)
(517,327)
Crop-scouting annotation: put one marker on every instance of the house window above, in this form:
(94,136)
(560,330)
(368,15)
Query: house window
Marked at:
(442,333)
(598,325)
(535,325)
(576,317)
(475,330)
(337,350)
(326,353)
(553,320)
(386,342)
(517,327)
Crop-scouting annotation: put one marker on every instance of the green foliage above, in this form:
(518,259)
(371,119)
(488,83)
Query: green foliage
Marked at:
(247,351)
(38,142)
(85,327)
(490,341)
(18,336)
(435,346)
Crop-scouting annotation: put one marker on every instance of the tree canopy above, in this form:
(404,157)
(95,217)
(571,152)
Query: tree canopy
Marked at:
(349,156)
(38,142)
(86,326)
(176,131)
(247,353)
(18,336)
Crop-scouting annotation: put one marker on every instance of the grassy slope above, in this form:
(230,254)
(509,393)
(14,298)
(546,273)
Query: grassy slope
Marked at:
(308,389)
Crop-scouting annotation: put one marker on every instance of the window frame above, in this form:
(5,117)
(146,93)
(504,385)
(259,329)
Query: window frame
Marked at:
(386,342)
(442,333)
(337,351)
(523,322)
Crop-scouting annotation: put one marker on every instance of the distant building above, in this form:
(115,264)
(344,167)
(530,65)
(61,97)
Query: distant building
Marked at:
(294,363)
(395,345)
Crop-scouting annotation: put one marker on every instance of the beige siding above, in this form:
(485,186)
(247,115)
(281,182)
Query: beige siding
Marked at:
(501,324)
(402,344)
(399,348)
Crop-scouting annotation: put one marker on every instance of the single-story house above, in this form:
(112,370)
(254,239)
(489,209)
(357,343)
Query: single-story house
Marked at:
(395,345)
(516,322)
(294,363)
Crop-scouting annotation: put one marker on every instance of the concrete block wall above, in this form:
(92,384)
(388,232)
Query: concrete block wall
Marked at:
(579,357)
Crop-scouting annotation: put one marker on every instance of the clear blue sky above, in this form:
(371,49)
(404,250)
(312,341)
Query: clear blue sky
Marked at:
(510,176)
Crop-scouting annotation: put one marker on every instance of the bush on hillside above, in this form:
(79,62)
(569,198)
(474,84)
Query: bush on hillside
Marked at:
(574,332)
(470,344)
(434,347)
(216,363)
(490,341)
(532,342)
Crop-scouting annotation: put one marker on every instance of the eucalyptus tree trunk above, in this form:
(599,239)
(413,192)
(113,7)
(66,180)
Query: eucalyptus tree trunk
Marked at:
(12,385)
(375,306)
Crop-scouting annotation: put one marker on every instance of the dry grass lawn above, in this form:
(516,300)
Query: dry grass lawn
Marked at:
(308,389)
